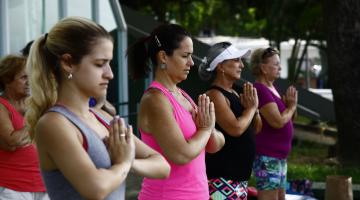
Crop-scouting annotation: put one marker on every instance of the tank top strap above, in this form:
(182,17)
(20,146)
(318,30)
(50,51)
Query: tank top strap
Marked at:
(165,91)
(6,103)
(193,104)
(71,117)
(17,119)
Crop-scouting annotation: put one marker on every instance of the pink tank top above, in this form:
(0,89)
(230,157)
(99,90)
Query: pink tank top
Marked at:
(19,169)
(187,181)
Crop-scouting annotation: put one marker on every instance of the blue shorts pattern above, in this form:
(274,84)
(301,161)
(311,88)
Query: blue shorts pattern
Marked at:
(270,173)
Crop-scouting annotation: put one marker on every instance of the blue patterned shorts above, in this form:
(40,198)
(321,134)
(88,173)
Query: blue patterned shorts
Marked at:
(270,173)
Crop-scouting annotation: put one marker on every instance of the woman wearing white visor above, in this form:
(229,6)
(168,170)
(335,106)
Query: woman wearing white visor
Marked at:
(236,117)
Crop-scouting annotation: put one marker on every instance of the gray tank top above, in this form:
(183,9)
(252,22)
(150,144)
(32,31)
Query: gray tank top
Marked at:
(57,186)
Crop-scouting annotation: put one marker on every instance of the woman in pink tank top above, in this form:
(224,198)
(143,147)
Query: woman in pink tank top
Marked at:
(169,121)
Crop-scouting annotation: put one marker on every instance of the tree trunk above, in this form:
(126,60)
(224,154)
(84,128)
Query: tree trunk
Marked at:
(343,29)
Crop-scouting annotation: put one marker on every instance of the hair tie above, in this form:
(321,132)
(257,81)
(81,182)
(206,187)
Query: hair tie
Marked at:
(45,36)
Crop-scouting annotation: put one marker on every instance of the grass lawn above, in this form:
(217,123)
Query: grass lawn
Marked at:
(309,161)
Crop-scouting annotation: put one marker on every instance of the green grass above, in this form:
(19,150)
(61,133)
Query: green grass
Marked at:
(309,160)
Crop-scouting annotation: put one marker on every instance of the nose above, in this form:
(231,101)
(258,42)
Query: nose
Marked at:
(27,81)
(191,61)
(241,64)
(108,74)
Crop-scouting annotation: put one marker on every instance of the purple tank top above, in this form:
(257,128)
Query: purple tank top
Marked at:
(187,181)
(271,141)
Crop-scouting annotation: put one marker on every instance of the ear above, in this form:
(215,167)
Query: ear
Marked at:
(65,61)
(220,68)
(162,56)
(262,69)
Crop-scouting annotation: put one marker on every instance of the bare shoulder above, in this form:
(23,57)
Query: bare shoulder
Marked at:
(3,109)
(216,96)
(154,99)
(155,109)
(53,127)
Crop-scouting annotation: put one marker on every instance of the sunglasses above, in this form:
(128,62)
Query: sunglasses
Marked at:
(268,52)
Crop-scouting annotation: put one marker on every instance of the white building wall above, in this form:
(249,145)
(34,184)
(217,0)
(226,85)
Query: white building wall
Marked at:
(28,19)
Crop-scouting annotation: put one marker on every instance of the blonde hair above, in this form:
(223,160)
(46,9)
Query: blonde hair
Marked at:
(258,57)
(73,35)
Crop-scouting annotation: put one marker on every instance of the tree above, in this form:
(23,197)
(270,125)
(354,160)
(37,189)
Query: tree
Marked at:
(343,37)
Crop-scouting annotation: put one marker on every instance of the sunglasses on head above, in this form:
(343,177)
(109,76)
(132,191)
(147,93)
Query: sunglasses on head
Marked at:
(268,52)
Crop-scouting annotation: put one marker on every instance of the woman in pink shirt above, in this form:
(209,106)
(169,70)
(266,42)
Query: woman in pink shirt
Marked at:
(169,121)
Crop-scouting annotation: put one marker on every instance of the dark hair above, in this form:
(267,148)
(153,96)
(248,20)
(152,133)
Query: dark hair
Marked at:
(26,50)
(260,56)
(212,53)
(166,37)
(73,35)
(10,65)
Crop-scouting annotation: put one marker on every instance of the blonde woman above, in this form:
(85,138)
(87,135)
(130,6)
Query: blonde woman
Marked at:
(67,66)
(273,143)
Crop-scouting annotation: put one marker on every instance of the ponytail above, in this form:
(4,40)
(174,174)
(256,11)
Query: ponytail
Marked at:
(72,35)
(138,59)
(43,85)
(166,37)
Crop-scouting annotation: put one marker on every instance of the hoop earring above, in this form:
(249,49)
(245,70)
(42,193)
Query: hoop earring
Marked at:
(70,76)
(162,66)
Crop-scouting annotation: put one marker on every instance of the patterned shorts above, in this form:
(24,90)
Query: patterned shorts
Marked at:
(222,189)
(270,173)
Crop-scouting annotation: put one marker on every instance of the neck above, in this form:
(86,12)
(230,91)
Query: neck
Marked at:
(12,97)
(264,81)
(224,83)
(74,101)
(163,78)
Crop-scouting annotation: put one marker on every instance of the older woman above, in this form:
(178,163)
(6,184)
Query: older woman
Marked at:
(19,165)
(273,143)
(234,116)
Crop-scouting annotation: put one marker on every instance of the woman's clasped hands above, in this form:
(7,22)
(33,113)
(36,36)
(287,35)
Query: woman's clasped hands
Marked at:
(120,142)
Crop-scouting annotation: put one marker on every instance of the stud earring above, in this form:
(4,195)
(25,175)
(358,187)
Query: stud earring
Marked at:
(162,66)
(70,76)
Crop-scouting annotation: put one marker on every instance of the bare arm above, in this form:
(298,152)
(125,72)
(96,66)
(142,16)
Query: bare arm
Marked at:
(148,162)
(226,118)
(10,139)
(60,147)
(156,117)
(257,122)
(272,114)
(216,141)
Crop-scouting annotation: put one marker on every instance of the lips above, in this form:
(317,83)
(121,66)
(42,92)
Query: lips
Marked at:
(104,84)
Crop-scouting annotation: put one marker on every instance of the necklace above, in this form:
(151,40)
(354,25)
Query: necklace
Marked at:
(175,92)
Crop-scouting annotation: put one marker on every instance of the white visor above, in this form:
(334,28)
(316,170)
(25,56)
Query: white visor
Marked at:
(229,53)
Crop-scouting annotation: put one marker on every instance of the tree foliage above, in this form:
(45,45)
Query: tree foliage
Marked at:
(275,20)
(281,20)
